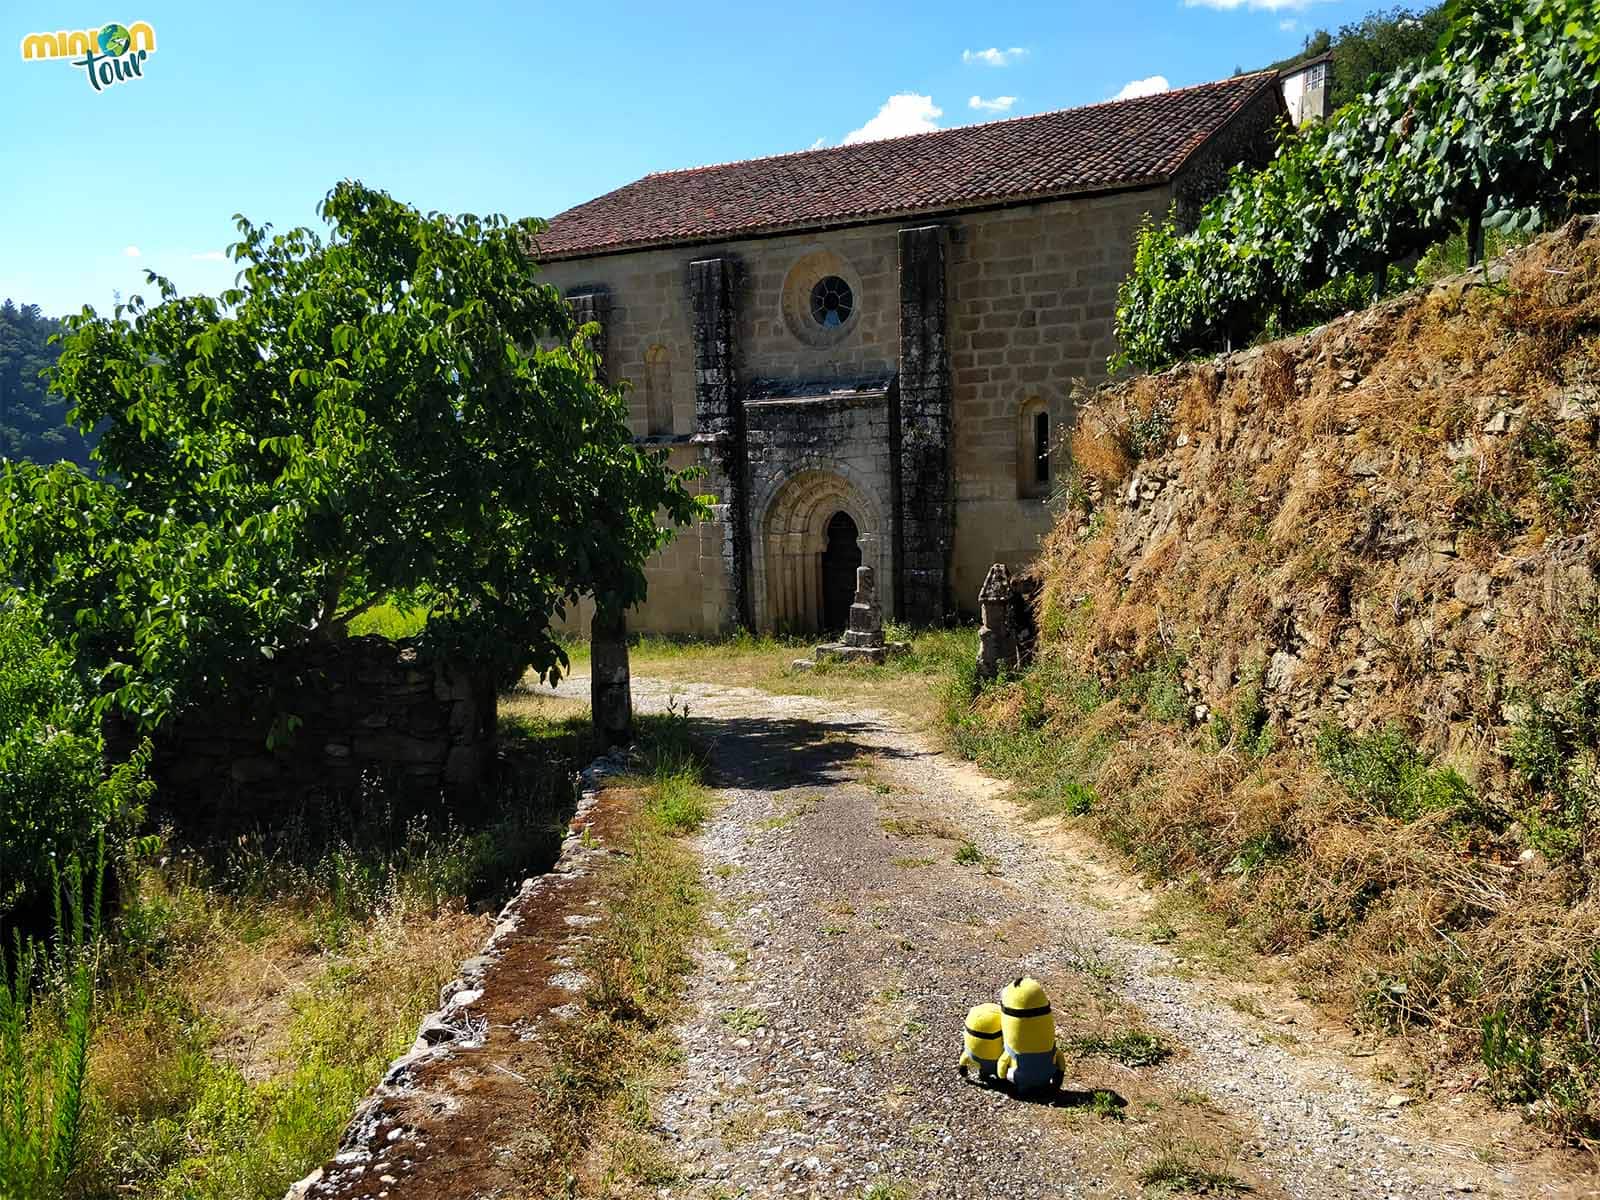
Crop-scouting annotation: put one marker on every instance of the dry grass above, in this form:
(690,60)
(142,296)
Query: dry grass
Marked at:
(1349,500)
(910,684)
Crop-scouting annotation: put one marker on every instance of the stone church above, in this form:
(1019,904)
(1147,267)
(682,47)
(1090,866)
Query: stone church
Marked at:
(872,348)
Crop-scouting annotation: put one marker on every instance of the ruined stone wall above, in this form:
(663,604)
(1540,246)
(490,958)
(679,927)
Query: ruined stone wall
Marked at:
(1351,526)
(1032,296)
(373,714)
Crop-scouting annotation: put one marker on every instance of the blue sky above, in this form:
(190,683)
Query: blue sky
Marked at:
(524,109)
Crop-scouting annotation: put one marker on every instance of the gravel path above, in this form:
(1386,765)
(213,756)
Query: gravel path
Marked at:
(819,1057)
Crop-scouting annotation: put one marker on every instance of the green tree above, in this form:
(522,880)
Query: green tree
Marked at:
(1378,45)
(33,423)
(399,409)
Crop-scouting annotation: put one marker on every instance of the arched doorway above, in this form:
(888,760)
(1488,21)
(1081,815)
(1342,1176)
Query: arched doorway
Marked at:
(840,559)
(814,528)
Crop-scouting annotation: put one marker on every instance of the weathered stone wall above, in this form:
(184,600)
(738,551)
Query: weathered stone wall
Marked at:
(372,713)
(1309,541)
(1033,294)
(1250,138)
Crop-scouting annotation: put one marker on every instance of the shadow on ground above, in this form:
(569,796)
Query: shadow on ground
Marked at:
(771,754)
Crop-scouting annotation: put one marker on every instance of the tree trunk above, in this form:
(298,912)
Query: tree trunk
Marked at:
(610,690)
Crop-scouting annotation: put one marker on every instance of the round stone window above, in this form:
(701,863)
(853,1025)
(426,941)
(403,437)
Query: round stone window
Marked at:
(822,301)
(831,302)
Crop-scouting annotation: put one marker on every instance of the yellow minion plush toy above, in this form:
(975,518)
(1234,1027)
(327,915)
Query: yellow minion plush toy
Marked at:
(1031,1058)
(981,1043)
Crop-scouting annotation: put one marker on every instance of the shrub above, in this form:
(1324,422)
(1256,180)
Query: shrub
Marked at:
(57,795)
(1387,771)
(46,1011)
(1553,747)
(1499,121)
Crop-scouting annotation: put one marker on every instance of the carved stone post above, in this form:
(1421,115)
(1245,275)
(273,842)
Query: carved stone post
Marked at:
(997,637)
(866,614)
(610,687)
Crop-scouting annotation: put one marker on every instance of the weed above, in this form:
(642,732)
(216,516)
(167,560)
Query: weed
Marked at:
(1185,1166)
(1256,853)
(679,803)
(1131,1048)
(1159,688)
(744,1021)
(1106,1106)
(1552,746)
(920,827)
(1159,933)
(1076,799)
(1553,468)
(968,855)
(1480,507)
(1087,958)
(1386,770)
(1246,729)
(46,1020)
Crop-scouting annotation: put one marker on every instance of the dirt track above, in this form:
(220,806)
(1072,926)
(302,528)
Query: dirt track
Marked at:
(867,891)
(820,1055)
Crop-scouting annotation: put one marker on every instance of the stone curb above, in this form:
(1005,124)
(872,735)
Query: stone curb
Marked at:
(450,1029)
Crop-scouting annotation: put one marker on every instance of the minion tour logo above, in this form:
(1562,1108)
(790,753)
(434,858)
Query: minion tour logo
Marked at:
(110,55)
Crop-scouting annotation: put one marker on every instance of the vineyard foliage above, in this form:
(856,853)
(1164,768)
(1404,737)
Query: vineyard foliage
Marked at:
(1499,124)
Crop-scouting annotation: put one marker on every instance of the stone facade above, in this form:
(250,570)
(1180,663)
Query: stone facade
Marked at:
(370,711)
(918,435)
(910,419)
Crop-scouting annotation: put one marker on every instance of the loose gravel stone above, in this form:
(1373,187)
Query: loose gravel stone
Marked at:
(826,1012)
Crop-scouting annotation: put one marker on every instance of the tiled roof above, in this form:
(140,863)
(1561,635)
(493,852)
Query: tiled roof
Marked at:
(1102,146)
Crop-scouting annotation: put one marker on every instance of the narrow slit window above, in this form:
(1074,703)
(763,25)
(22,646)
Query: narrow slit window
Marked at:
(1041,447)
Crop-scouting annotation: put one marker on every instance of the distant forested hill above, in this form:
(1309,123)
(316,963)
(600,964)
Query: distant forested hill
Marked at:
(33,423)
(1379,44)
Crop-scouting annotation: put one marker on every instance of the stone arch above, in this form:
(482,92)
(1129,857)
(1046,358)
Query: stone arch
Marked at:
(792,519)
(658,391)
(1035,433)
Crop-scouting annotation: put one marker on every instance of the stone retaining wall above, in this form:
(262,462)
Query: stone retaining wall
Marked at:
(372,713)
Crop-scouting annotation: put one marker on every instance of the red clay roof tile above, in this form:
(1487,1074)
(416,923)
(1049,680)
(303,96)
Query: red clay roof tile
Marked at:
(1095,148)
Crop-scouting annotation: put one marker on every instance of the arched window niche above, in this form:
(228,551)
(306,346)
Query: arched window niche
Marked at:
(658,391)
(1035,467)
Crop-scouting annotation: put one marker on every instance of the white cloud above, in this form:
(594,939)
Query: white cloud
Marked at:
(999,104)
(1289,25)
(132,251)
(1152,86)
(1269,5)
(901,114)
(994,56)
(210,256)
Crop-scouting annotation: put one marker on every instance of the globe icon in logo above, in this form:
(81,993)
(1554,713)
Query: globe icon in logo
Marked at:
(115,40)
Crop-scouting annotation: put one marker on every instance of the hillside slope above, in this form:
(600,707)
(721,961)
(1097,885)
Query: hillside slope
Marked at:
(1320,633)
